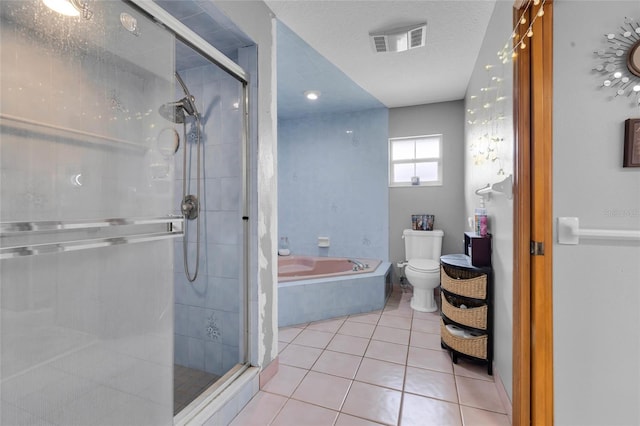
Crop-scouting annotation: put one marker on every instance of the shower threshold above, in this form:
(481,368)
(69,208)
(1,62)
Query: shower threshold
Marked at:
(188,384)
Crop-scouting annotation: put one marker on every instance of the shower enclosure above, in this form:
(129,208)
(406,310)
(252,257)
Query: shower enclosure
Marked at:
(209,314)
(94,299)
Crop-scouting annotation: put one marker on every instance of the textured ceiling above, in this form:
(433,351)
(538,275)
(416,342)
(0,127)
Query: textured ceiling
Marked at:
(324,45)
(301,68)
(339,31)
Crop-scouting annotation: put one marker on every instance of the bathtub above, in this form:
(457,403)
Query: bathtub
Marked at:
(291,268)
(317,288)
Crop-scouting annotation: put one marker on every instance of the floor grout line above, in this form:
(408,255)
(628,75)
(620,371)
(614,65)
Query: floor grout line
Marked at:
(399,302)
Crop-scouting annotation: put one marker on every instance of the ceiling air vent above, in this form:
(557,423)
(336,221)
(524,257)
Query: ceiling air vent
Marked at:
(379,43)
(417,37)
(399,39)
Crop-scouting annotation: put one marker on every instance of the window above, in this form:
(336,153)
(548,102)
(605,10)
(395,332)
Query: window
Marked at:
(417,156)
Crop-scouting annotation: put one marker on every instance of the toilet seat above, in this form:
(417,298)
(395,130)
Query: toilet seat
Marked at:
(424,265)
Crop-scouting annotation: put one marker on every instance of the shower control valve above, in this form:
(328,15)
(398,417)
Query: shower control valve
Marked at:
(190,207)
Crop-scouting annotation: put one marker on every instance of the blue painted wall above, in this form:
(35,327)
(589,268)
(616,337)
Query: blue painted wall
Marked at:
(334,183)
(302,68)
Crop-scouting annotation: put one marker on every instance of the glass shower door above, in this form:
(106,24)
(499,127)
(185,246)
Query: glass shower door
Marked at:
(86,188)
(210,309)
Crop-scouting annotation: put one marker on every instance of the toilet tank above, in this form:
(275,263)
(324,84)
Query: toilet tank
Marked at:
(422,244)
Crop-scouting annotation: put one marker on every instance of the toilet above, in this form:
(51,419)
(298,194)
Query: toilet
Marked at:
(422,269)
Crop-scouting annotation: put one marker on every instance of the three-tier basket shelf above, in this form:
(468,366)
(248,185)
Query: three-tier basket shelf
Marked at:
(468,308)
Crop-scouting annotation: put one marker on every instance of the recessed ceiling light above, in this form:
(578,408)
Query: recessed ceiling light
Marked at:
(312,95)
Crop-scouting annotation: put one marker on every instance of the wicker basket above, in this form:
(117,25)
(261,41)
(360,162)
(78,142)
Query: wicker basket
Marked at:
(474,346)
(463,282)
(473,316)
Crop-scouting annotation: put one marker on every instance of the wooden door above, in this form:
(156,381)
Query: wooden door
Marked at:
(533,222)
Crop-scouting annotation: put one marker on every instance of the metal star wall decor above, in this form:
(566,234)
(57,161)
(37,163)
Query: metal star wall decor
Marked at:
(619,61)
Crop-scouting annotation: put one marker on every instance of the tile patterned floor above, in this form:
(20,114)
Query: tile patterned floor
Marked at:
(188,384)
(385,367)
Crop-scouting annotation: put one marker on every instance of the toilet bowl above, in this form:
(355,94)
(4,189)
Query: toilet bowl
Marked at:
(422,269)
(424,276)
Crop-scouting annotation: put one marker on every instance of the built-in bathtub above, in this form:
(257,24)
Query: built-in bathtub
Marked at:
(317,288)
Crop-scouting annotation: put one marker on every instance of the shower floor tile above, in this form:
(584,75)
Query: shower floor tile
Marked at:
(188,384)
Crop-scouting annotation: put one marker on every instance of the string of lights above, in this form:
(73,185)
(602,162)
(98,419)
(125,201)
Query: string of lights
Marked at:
(510,49)
(487,110)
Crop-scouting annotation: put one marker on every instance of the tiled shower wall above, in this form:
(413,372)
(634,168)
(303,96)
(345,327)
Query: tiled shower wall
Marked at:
(208,311)
(332,182)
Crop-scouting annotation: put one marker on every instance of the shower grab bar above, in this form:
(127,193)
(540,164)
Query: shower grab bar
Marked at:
(38,249)
(569,232)
(35,126)
(12,228)
(174,229)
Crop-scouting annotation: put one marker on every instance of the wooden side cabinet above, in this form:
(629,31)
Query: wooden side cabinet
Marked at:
(478,248)
(466,326)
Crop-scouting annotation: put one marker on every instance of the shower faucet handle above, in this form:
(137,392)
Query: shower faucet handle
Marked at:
(190,207)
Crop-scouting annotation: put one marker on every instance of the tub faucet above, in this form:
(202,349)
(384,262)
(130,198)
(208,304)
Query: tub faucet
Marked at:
(357,265)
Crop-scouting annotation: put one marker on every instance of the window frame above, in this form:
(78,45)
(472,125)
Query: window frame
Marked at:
(438,160)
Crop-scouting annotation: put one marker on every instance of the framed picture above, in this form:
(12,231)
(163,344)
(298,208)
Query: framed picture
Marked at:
(631,143)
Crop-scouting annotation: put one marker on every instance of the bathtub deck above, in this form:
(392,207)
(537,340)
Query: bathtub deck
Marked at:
(317,299)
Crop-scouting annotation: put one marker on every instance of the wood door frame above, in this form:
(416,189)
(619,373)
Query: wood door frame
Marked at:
(521,238)
(533,221)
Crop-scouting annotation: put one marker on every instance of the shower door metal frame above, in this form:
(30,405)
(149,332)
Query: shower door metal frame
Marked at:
(197,43)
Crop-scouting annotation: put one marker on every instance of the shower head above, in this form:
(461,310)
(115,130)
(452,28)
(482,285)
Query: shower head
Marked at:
(177,111)
(173,111)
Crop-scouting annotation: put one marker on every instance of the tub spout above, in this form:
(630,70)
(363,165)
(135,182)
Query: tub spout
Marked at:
(357,265)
